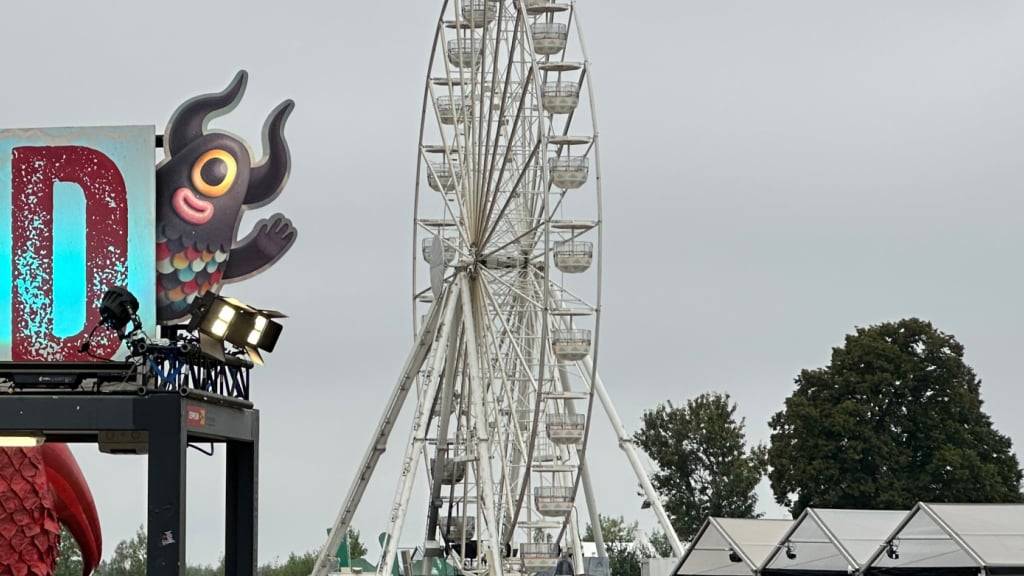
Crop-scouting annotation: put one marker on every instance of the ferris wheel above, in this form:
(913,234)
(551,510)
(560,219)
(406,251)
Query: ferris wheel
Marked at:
(506,301)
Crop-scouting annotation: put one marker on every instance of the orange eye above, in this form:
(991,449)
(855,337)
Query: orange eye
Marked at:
(214,173)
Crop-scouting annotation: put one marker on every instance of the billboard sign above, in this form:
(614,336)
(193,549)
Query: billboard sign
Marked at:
(77,216)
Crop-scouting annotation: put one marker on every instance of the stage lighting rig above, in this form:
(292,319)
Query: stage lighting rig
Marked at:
(221,320)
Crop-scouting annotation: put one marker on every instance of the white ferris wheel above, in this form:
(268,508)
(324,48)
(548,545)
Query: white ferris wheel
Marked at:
(506,302)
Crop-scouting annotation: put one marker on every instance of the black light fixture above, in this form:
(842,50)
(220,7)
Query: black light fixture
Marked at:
(893,550)
(733,556)
(790,551)
(119,307)
(219,319)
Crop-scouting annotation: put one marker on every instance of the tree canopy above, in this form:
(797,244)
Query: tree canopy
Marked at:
(704,466)
(895,418)
(625,555)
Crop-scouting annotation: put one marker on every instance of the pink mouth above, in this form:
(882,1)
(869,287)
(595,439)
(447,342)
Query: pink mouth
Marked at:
(191,209)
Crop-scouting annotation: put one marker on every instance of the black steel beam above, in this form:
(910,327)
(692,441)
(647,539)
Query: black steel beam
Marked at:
(240,528)
(167,481)
(78,417)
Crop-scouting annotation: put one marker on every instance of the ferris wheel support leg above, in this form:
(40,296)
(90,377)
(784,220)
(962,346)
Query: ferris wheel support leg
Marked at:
(577,546)
(378,442)
(588,488)
(595,516)
(627,445)
(485,492)
(443,417)
(417,439)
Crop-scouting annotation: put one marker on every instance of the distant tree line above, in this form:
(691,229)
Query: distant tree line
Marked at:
(129,559)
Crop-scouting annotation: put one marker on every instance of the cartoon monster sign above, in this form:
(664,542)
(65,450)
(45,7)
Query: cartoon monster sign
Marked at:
(203,188)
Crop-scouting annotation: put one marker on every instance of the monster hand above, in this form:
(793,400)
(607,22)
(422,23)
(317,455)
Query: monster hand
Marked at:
(275,236)
(268,241)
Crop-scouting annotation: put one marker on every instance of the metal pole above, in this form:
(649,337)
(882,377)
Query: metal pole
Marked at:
(417,439)
(379,441)
(627,445)
(588,488)
(595,516)
(443,417)
(485,492)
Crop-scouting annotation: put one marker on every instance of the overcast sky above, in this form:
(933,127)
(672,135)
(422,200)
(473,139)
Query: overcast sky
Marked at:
(776,173)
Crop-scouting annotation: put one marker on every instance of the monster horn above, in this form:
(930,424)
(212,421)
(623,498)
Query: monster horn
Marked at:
(268,178)
(189,120)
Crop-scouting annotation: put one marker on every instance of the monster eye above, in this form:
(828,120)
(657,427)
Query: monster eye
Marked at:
(214,173)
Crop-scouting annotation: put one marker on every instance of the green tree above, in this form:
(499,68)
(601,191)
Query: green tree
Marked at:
(662,547)
(69,558)
(355,546)
(704,467)
(129,558)
(625,555)
(295,565)
(894,419)
(613,529)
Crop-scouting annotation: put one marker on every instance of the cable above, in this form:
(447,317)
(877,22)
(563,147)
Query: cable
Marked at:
(198,449)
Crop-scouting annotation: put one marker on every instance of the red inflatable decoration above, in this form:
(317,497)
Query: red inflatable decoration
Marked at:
(40,489)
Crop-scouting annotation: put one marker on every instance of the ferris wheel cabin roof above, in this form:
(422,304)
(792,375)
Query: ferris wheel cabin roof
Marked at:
(573,224)
(569,140)
(559,66)
(536,8)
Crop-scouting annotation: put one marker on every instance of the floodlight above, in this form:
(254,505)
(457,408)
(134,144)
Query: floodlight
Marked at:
(118,307)
(790,552)
(733,556)
(21,441)
(219,319)
(893,550)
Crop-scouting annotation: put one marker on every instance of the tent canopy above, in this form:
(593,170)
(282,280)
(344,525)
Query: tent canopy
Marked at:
(826,540)
(731,547)
(952,536)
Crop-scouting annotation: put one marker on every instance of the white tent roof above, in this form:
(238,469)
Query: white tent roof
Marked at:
(731,547)
(954,536)
(828,540)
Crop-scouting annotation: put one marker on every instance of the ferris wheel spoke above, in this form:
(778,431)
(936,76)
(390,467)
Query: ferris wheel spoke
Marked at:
(513,340)
(504,101)
(513,141)
(508,286)
(447,203)
(512,193)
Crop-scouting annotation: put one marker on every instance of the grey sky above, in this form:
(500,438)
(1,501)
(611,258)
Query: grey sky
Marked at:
(776,173)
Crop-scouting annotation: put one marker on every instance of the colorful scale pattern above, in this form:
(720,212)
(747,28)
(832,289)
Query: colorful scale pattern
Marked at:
(184,273)
(29,529)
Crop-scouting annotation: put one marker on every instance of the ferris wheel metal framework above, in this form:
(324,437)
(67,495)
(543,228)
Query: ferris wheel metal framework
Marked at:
(504,360)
